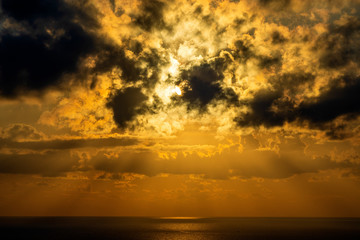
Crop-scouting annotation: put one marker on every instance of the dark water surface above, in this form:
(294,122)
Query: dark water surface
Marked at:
(159,228)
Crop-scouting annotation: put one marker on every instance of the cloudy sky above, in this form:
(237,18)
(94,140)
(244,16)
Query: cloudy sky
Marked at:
(180,107)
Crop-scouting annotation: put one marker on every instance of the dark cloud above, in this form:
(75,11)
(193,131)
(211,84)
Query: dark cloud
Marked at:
(340,99)
(261,111)
(144,68)
(27,64)
(126,104)
(152,62)
(32,10)
(277,38)
(238,22)
(112,5)
(243,51)
(141,162)
(267,62)
(66,144)
(53,46)
(151,15)
(337,131)
(198,10)
(291,82)
(337,48)
(272,107)
(51,163)
(39,13)
(341,45)
(111,56)
(275,4)
(204,85)
(113,176)
(19,131)
(117,10)
(289,161)
(229,163)
(59,37)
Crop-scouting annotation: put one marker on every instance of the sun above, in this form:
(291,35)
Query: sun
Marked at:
(165,92)
(177,90)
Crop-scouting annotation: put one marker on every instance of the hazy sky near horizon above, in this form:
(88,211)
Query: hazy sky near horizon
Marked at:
(180,107)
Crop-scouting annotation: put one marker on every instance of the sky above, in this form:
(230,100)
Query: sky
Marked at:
(245,108)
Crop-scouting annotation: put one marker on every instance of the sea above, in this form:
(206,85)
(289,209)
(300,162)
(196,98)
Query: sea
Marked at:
(139,228)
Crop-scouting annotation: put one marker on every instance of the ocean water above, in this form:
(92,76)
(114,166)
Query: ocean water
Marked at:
(178,228)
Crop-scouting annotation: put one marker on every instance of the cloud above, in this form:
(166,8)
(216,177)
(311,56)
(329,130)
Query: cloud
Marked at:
(277,38)
(271,108)
(275,4)
(142,162)
(261,112)
(340,46)
(282,157)
(275,156)
(21,132)
(340,99)
(143,65)
(204,85)
(59,144)
(230,163)
(51,163)
(286,98)
(64,39)
(54,42)
(268,69)
(151,15)
(126,105)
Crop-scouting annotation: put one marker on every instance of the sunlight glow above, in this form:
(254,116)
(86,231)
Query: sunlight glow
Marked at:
(165,92)
(174,68)
(177,90)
